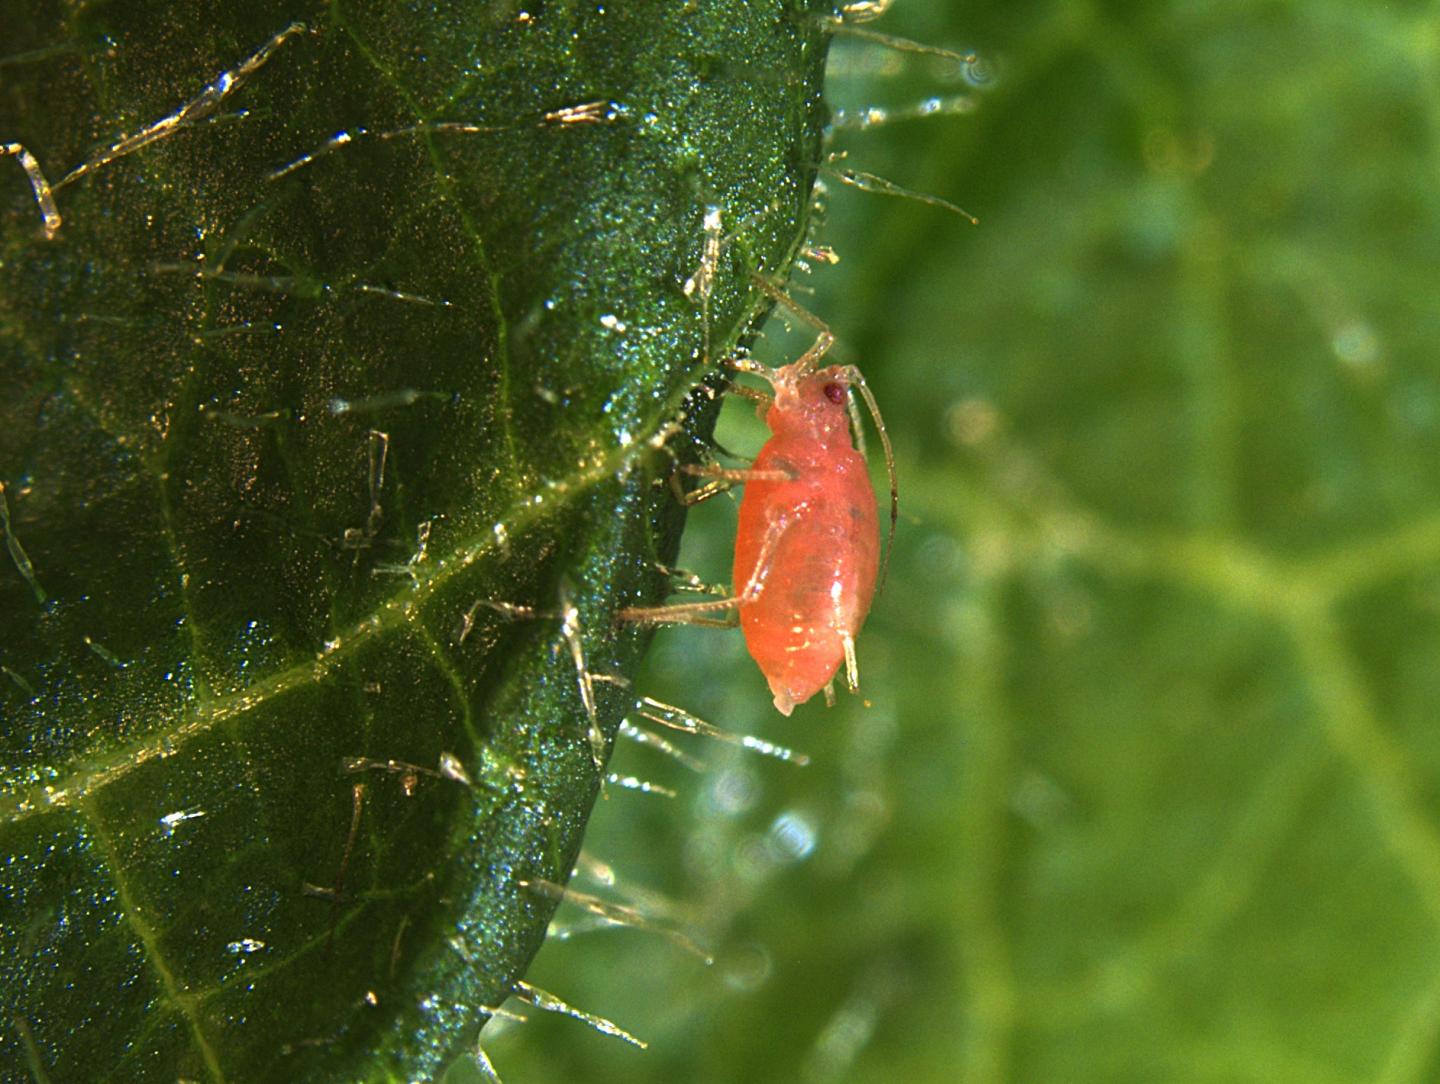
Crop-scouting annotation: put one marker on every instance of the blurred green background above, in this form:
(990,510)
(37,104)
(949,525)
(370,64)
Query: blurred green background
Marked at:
(1146,788)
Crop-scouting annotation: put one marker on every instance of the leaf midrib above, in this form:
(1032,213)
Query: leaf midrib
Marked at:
(395,612)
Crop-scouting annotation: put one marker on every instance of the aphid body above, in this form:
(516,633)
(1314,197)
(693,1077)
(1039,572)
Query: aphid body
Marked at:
(807,547)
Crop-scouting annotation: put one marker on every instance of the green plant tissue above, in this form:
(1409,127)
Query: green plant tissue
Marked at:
(1149,789)
(345,351)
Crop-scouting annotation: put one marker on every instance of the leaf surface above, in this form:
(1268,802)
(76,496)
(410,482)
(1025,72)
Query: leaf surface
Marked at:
(356,322)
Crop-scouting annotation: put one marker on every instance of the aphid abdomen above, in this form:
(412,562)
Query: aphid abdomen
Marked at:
(806,557)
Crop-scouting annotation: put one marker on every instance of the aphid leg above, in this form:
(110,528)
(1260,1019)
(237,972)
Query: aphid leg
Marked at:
(762,402)
(824,339)
(743,474)
(694,613)
(753,394)
(751,366)
(774,529)
(830,693)
(681,613)
(722,479)
(685,580)
(700,494)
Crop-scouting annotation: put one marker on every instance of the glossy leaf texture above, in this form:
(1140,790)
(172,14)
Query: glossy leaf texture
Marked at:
(360,326)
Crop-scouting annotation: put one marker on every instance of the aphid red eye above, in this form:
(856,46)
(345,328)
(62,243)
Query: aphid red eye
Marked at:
(835,392)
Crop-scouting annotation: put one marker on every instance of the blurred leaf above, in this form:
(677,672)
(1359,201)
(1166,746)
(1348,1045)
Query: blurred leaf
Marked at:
(356,319)
(1149,790)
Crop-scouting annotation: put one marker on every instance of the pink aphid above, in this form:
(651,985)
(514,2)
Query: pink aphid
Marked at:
(807,547)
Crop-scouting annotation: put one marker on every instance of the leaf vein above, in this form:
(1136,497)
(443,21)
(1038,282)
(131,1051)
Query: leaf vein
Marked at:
(399,611)
(134,917)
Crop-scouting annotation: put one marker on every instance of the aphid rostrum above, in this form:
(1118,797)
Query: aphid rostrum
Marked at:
(807,545)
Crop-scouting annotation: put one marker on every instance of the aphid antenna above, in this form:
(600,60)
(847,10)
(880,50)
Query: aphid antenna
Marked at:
(856,380)
(542,999)
(824,339)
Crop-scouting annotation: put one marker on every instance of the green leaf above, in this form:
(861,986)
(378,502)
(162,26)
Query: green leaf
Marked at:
(1150,790)
(356,319)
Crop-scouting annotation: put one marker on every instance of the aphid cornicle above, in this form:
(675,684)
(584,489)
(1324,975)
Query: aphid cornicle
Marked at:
(807,546)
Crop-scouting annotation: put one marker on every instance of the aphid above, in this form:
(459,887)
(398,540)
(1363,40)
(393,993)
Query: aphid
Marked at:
(807,546)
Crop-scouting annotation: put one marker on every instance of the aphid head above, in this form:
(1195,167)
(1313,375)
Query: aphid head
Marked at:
(816,403)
